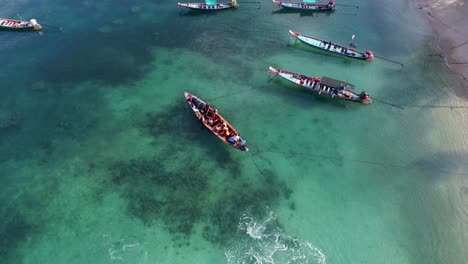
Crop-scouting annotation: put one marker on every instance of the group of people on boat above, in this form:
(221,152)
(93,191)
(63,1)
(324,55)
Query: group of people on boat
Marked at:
(327,45)
(307,81)
(340,91)
(330,5)
(209,115)
(14,23)
(205,6)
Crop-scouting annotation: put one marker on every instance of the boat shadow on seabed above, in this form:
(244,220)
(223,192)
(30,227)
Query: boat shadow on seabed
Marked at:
(302,12)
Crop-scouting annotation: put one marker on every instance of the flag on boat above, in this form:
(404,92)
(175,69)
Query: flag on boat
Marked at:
(211,2)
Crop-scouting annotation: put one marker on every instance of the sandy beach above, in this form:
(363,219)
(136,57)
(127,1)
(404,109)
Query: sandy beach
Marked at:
(449,19)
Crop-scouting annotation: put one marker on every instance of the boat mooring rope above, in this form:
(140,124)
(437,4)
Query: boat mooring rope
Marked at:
(439,106)
(402,65)
(256,165)
(372,163)
(378,100)
(59,28)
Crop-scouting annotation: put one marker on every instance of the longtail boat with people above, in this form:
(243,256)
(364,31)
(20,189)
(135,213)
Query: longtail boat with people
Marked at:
(12,24)
(307,5)
(328,46)
(209,5)
(210,117)
(324,85)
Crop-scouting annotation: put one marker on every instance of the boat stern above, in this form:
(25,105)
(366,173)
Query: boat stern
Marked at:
(36,26)
(277,2)
(242,145)
(369,55)
(365,98)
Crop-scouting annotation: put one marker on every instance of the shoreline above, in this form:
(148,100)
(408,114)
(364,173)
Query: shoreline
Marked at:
(448,18)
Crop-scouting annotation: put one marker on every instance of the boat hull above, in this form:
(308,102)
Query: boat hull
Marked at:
(334,48)
(306,6)
(212,120)
(18,25)
(318,85)
(205,7)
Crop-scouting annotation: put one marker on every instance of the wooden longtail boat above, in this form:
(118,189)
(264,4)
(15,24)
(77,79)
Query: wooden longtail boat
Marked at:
(324,85)
(215,122)
(12,24)
(328,46)
(307,5)
(209,5)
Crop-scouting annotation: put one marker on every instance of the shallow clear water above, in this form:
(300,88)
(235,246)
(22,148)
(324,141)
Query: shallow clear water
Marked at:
(108,164)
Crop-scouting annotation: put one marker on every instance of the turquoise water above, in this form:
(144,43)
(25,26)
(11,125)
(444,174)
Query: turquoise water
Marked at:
(105,163)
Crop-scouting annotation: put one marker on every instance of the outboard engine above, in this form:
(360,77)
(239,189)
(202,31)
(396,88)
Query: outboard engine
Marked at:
(243,145)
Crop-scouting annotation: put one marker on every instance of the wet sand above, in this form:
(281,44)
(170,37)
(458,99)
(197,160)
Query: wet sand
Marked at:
(449,19)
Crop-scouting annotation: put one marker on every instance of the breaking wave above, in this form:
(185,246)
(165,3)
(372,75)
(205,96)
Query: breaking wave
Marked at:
(259,242)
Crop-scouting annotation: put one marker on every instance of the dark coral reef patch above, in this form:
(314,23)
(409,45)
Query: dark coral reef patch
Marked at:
(181,191)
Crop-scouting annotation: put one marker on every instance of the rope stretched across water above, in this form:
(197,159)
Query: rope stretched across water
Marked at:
(372,163)
(256,165)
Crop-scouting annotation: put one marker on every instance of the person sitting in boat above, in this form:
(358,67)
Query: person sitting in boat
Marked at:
(334,92)
(234,139)
(210,121)
(216,122)
(226,129)
(211,112)
(217,128)
(190,101)
(205,108)
(331,4)
(350,52)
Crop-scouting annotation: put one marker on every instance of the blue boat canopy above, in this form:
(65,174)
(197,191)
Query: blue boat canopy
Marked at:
(310,1)
(211,2)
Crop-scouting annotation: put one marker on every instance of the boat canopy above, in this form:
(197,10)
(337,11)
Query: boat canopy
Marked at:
(211,2)
(310,1)
(336,83)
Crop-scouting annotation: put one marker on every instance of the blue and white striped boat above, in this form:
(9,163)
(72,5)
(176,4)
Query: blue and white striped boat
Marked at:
(209,5)
(328,46)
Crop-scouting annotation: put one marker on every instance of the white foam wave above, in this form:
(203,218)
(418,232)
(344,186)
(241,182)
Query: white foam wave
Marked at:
(264,241)
(116,253)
